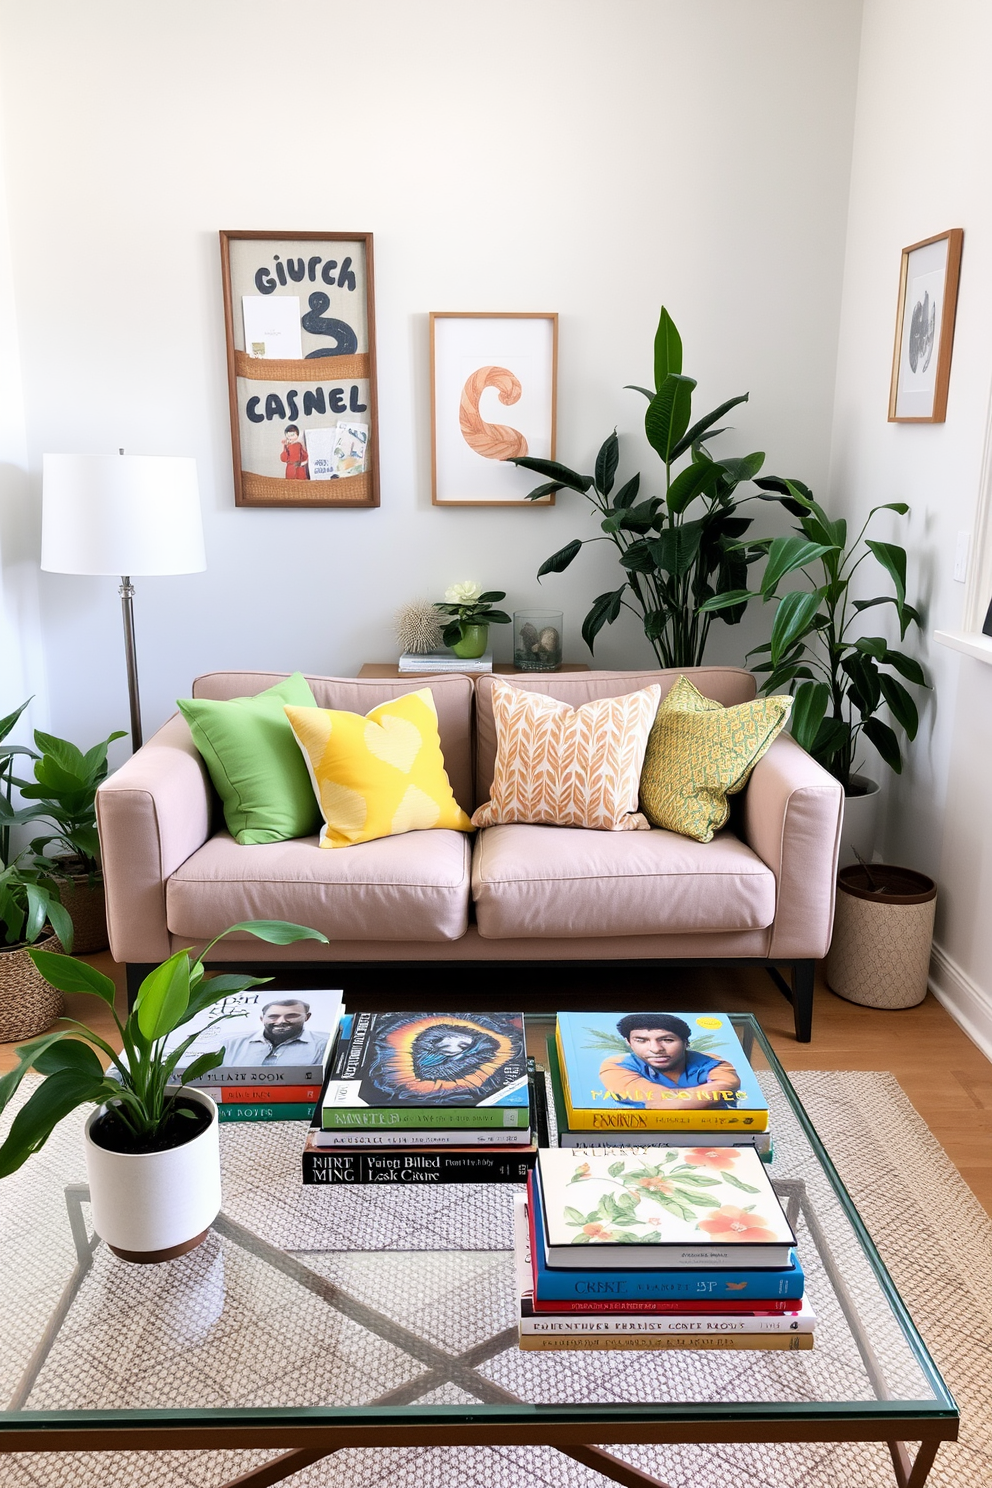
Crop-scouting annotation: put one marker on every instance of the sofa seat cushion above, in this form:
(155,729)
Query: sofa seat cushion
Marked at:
(411,887)
(533,881)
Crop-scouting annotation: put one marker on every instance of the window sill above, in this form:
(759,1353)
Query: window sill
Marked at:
(970,642)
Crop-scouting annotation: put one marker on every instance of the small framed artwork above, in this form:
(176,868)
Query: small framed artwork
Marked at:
(928,295)
(493,389)
(300,318)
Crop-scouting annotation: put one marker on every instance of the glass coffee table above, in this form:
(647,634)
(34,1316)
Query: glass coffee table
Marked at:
(314,1319)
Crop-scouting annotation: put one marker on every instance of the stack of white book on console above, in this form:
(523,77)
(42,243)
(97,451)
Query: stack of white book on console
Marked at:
(444,661)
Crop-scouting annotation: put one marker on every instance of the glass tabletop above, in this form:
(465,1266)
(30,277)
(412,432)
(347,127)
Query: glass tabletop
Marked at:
(330,1304)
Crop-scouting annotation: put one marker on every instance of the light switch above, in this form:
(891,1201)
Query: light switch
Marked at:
(961,558)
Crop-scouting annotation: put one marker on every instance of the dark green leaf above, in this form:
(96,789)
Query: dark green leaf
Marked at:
(34,1123)
(202,1065)
(491,596)
(893,560)
(787,555)
(865,689)
(604,611)
(811,700)
(724,601)
(668,414)
(689,484)
(667,349)
(606,463)
(675,550)
(909,668)
(833,736)
(907,615)
(872,646)
(885,742)
(743,467)
(632,387)
(903,708)
(699,428)
(553,471)
(559,561)
(7,723)
(69,1054)
(627,493)
(637,558)
(539,492)
(655,622)
(793,619)
(73,976)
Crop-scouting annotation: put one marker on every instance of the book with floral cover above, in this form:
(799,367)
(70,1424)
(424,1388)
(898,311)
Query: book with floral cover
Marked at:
(651,1071)
(654,1207)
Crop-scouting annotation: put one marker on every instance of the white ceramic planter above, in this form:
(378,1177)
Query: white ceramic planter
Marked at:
(860,822)
(154,1206)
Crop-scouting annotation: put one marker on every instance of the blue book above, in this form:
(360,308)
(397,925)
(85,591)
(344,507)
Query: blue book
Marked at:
(636,1072)
(567,1285)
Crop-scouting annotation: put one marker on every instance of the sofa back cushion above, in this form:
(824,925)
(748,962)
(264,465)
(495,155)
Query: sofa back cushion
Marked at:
(452,699)
(726,685)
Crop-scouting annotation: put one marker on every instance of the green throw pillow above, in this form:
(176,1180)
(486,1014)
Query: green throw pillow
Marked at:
(255,762)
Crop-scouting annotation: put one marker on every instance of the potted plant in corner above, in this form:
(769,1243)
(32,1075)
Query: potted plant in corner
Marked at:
(472,613)
(841,681)
(152,1152)
(64,787)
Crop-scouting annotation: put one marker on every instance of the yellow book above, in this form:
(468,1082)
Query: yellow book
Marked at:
(792,1342)
(656,1072)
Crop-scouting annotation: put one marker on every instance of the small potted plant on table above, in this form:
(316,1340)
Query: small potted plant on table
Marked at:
(152,1152)
(472,613)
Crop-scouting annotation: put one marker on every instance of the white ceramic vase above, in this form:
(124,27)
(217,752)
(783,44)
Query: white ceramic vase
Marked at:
(860,821)
(154,1206)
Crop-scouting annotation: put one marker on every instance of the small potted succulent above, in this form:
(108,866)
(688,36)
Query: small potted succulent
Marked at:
(471,614)
(152,1152)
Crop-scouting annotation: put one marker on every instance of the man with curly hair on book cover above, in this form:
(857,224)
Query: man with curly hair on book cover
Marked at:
(661,1069)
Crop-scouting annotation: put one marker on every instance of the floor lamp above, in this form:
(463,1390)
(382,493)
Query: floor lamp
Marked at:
(127,515)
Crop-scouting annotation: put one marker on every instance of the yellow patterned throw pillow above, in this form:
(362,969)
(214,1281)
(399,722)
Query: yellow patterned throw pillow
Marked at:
(568,767)
(379,775)
(699,753)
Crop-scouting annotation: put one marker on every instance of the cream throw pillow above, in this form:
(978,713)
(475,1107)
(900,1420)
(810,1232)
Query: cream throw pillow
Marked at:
(568,767)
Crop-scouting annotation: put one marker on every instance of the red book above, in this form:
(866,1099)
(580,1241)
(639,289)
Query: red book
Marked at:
(267,1095)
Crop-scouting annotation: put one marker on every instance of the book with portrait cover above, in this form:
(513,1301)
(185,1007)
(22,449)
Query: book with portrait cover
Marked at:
(447,1070)
(658,1206)
(670,1284)
(653,1071)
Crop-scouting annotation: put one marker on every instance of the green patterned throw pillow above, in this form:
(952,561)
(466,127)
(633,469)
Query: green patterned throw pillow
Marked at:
(699,753)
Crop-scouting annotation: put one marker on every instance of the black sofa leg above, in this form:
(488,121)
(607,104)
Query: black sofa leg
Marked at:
(803,982)
(136,971)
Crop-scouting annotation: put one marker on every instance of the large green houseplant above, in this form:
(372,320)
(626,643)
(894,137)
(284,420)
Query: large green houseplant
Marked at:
(151,1147)
(842,680)
(678,549)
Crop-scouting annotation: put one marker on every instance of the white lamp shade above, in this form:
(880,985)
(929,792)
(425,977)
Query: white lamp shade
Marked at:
(121,514)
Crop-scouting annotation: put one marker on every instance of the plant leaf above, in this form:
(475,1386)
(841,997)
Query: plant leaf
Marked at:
(552,470)
(605,610)
(688,484)
(675,550)
(41,1113)
(632,387)
(872,646)
(893,560)
(885,742)
(547,489)
(73,976)
(69,1054)
(668,414)
(627,493)
(202,1065)
(606,463)
(667,348)
(278,932)
(909,668)
(903,708)
(163,997)
(559,561)
(700,427)
(732,598)
(808,709)
(786,555)
(793,619)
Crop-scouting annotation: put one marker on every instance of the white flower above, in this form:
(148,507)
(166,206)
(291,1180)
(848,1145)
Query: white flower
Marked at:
(462,593)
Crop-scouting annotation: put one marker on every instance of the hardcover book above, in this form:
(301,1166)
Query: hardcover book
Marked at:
(650,1071)
(268,1038)
(669,1284)
(277,1111)
(422,1070)
(671,1137)
(658,1206)
(408,1167)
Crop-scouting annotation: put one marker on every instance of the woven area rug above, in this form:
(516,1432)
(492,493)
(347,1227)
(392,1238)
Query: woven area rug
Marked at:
(933,1236)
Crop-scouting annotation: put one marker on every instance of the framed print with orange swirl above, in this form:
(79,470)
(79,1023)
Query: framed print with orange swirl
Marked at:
(493,389)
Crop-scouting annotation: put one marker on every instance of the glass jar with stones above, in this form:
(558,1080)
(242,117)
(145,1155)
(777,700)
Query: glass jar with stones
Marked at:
(537,640)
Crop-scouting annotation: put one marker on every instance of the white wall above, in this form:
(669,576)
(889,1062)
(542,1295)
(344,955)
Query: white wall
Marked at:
(923,140)
(536,154)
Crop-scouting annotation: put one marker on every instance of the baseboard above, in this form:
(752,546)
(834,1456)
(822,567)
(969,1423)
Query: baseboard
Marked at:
(966,1002)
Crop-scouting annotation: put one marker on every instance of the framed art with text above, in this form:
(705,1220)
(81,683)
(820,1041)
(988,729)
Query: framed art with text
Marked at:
(493,389)
(921,362)
(300,316)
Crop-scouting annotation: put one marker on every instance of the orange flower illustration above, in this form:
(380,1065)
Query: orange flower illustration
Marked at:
(656,1185)
(581,1172)
(597,1232)
(721,1158)
(731,1223)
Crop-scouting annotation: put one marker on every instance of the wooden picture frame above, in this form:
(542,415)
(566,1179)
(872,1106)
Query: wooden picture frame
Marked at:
(510,359)
(306,368)
(921,360)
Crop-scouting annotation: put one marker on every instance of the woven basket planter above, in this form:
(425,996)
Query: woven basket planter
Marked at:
(880,952)
(28,1005)
(86,904)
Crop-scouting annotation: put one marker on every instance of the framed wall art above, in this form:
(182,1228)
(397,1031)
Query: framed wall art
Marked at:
(921,362)
(299,311)
(493,389)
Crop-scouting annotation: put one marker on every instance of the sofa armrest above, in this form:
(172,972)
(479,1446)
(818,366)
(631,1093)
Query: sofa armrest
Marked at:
(152,814)
(793,810)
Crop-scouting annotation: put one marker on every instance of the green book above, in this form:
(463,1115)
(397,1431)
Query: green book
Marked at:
(278,1111)
(446,1071)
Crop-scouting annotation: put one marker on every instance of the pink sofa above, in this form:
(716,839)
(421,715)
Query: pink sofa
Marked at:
(762,890)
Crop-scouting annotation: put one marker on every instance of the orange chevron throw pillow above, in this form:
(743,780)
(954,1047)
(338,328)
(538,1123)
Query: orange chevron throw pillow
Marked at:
(568,767)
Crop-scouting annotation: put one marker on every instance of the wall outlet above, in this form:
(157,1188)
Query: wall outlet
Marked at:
(961,557)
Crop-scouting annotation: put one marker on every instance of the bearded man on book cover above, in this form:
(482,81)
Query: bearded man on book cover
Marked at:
(661,1067)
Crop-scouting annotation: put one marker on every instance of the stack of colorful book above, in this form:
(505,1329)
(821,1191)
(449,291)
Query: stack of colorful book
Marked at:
(277,1049)
(426,1098)
(671,1079)
(656,1248)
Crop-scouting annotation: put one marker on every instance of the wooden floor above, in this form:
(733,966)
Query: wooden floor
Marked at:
(946,1077)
